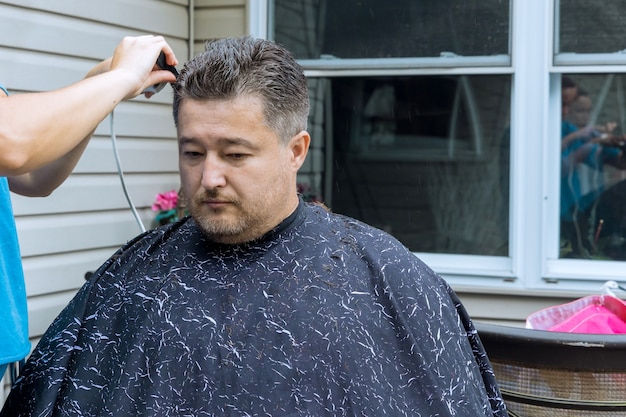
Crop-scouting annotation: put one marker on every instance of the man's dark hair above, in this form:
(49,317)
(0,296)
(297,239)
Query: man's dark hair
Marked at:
(568,82)
(234,67)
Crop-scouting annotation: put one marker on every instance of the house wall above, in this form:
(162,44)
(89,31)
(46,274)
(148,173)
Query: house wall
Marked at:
(218,18)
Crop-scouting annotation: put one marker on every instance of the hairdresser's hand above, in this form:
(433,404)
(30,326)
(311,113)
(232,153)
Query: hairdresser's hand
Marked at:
(610,140)
(134,60)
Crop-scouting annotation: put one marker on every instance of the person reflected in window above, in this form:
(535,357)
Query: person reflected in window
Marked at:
(591,146)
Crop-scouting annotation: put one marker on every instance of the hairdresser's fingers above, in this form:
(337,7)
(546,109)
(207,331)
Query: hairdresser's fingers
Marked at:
(170,57)
(137,56)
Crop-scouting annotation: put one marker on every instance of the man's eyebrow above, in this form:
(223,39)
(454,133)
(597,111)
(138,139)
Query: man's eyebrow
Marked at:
(185,139)
(182,141)
(236,141)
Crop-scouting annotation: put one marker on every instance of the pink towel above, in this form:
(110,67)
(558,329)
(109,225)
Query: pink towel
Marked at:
(599,314)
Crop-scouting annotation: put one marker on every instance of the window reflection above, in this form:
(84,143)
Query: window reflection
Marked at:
(424,158)
(314,29)
(593,167)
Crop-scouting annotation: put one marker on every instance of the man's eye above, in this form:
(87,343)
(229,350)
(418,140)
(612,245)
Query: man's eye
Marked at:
(191,154)
(237,156)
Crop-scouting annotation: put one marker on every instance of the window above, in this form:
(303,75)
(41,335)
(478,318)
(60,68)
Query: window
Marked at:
(589,32)
(437,121)
(418,156)
(415,154)
(350,29)
(593,163)
(587,72)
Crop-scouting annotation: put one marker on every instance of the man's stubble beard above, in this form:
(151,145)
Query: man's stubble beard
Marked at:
(209,220)
(241,227)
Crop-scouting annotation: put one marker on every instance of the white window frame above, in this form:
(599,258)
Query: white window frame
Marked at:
(533,264)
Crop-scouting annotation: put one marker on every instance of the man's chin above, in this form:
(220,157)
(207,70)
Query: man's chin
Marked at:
(220,231)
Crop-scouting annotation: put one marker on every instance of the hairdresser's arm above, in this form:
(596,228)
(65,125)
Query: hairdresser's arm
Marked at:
(41,182)
(51,129)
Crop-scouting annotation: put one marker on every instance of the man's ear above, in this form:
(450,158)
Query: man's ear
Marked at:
(299,147)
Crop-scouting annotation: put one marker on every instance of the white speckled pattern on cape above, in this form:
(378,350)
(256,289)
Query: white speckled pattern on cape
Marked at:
(323,316)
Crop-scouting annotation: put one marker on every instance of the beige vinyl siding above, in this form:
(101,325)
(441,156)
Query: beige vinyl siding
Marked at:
(49,44)
(218,18)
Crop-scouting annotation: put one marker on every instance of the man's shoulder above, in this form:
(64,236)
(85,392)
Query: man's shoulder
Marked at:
(567,128)
(347,228)
(324,213)
(156,239)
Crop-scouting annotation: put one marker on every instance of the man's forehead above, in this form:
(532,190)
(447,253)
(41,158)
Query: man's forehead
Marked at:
(245,105)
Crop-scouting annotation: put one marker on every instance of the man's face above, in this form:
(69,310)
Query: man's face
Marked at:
(580,111)
(568,96)
(239,181)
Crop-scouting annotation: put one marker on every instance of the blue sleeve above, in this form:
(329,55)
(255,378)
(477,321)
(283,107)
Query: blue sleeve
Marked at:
(610,153)
(4,89)
(567,128)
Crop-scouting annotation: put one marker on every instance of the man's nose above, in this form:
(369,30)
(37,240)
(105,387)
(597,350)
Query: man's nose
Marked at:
(213,173)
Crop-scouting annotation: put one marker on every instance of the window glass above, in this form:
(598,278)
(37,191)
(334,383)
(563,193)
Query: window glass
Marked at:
(314,29)
(425,158)
(593,166)
(591,26)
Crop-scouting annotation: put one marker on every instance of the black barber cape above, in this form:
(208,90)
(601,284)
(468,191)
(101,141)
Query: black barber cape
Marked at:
(323,316)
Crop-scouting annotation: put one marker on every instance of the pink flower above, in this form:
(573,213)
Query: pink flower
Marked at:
(165,201)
